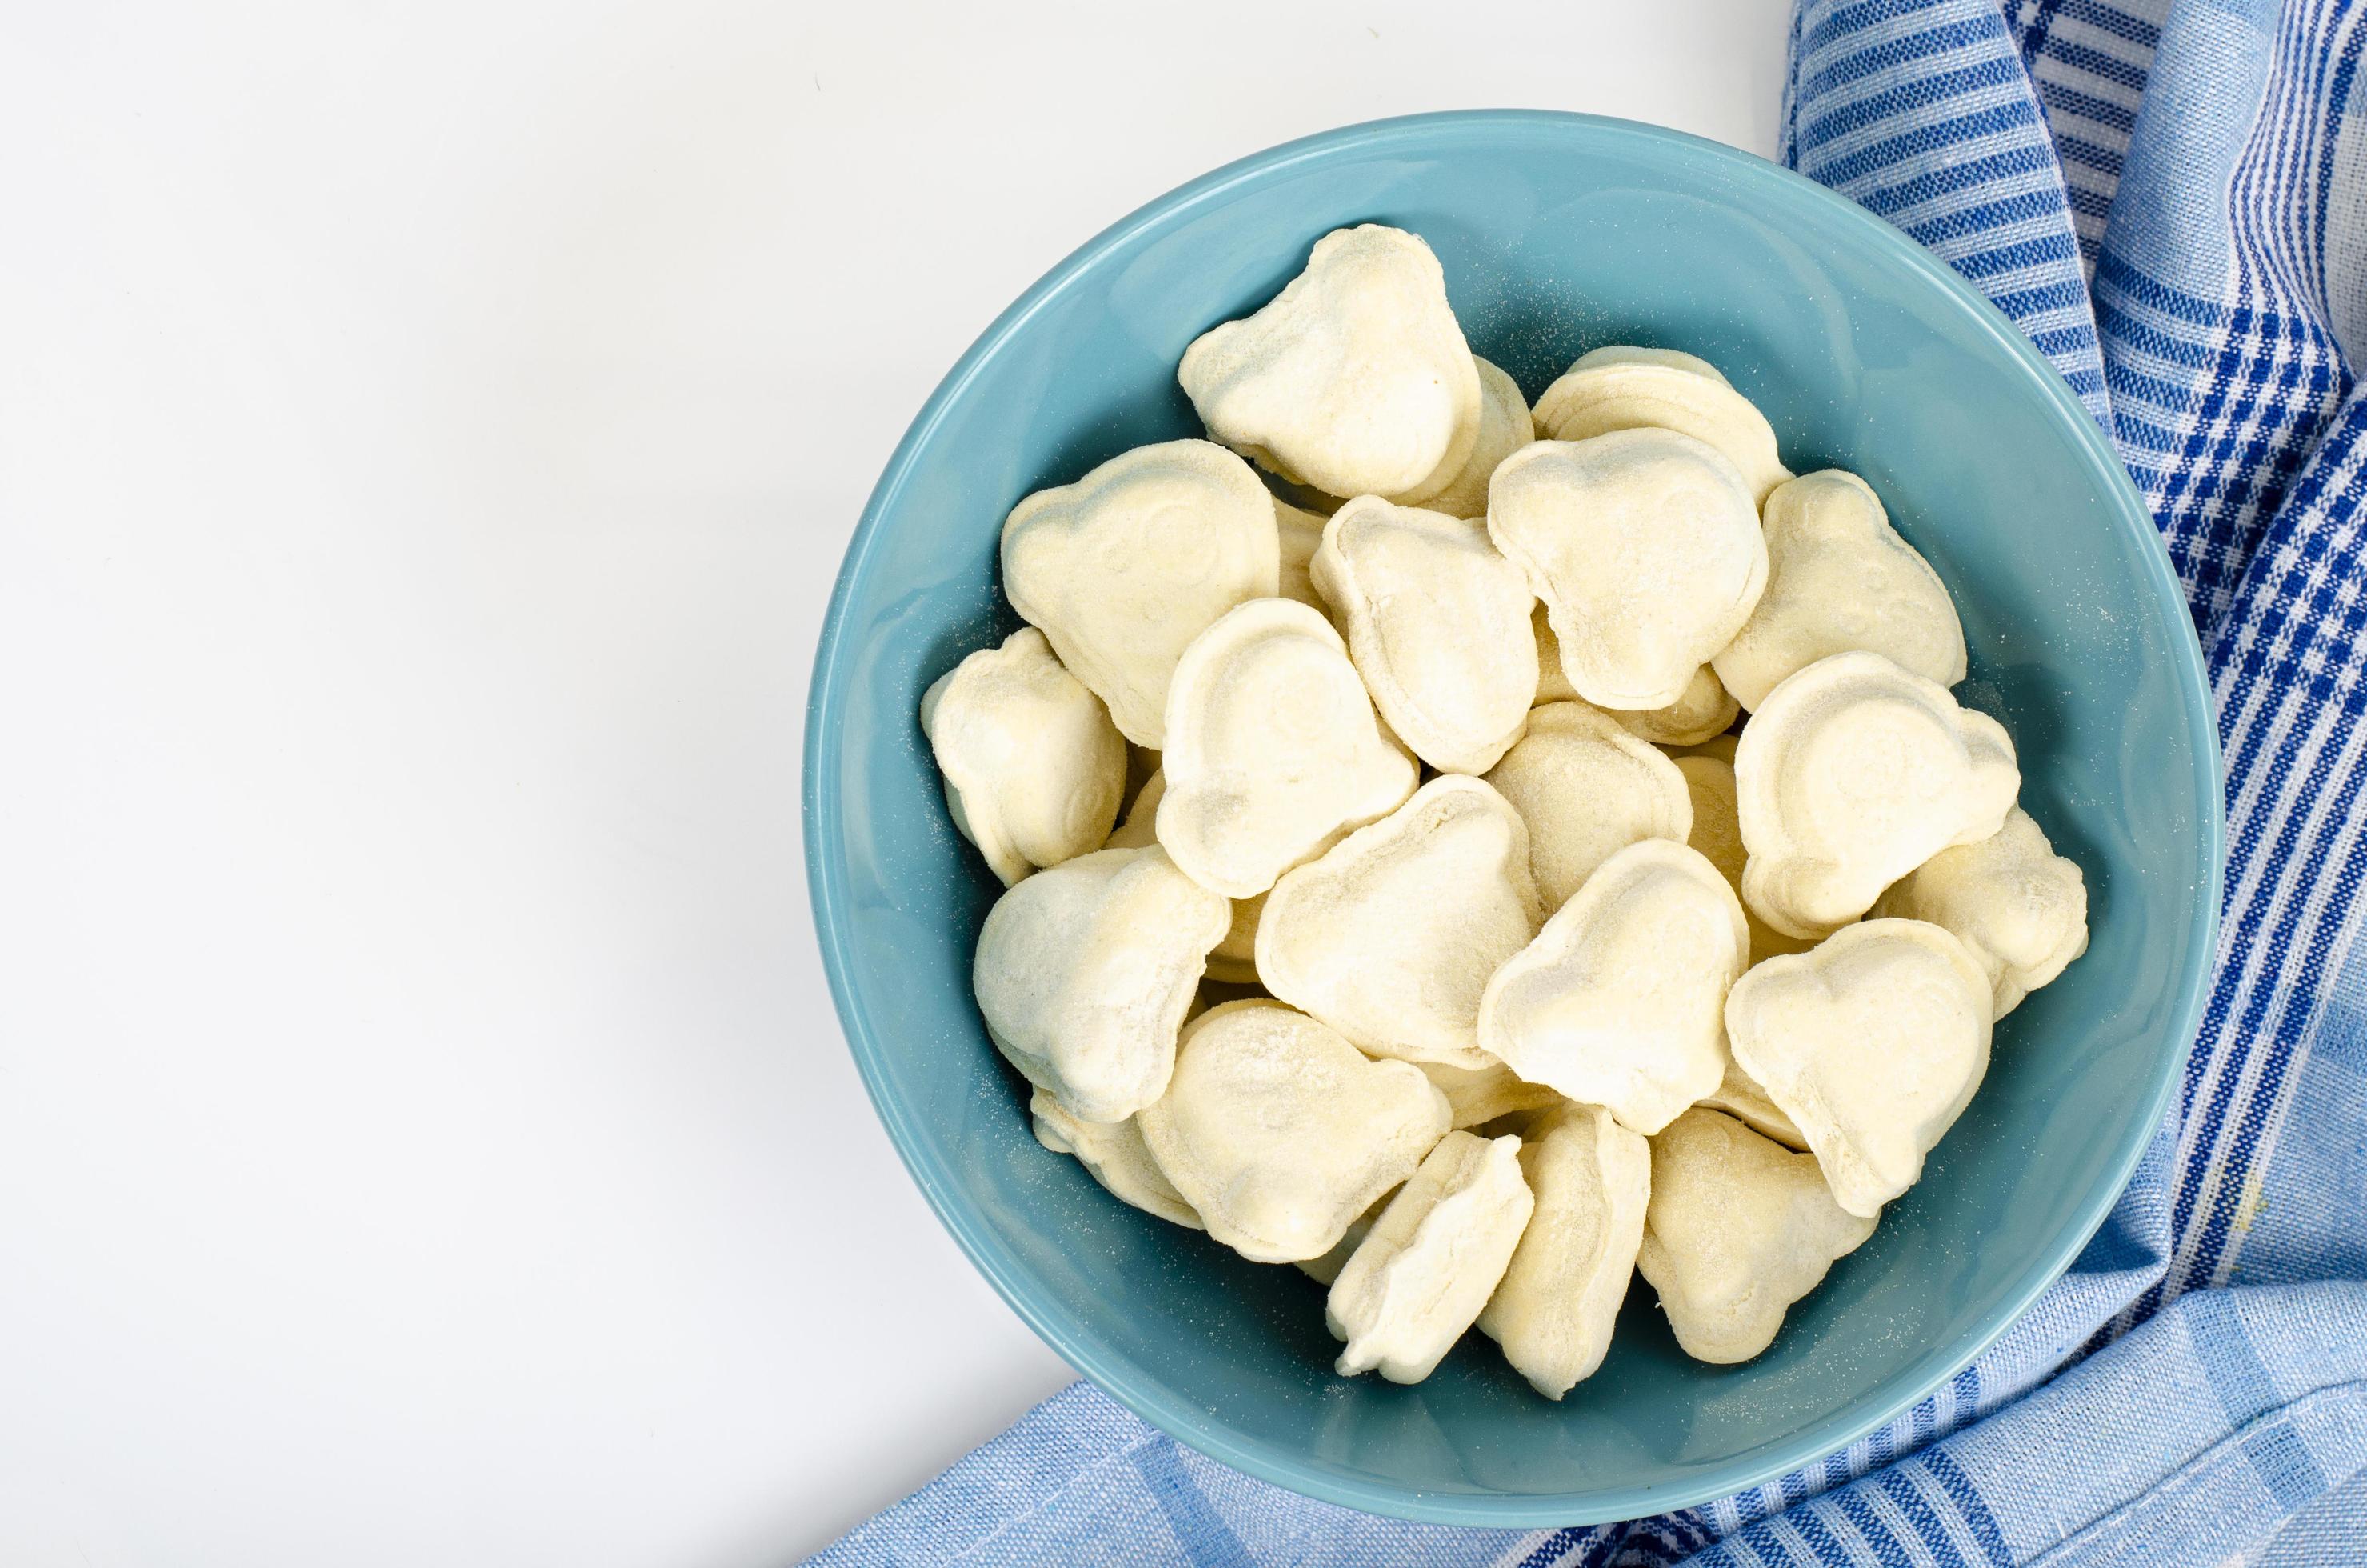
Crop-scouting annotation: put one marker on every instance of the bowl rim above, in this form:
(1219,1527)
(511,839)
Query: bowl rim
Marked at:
(1076,1345)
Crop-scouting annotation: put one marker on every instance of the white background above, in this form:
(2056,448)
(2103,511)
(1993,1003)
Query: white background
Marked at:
(427,435)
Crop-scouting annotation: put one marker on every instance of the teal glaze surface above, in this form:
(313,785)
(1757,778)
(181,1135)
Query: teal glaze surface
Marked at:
(1558,233)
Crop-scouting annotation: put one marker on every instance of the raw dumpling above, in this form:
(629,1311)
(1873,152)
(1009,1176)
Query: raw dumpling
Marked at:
(1553,686)
(1738,1229)
(1872,1045)
(1504,428)
(1587,789)
(1123,568)
(1839,578)
(1645,546)
(1622,387)
(1438,626)
(1481,1095)
(1851,774)
(2020,908)
(1139,830)
(1116,1157)
(1355,379)
(1431,1260)
(1700,713)
(1232,961)
(1620,1000)
(1034,769)
(1391,936)
(1325,1270)
(1554,1309)
(1272,749)
(1740,1095)
(1085,972)
(1717,833)
(1279,1133)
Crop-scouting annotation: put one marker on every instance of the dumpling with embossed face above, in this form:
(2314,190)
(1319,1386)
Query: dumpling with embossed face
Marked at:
(1391,936)
(1085,972)
(1839,578)
(1872,1044)
(1279,1133)
(1587,789)
(2020,908)
(1032,767)
(1438,626)
(1852,773)
(1355,379)
(1738,1228)
(1624,387)
(1645,546)
(1620,1000)
(1123,568)
(1272,749)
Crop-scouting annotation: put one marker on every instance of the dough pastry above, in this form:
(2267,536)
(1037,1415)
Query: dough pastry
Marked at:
(1717,833)
(1431,1260)
(1033,767)
(1839,579)
(1113,1152)
(1437,625)
(1272,752)
(1391,936)
(1355,379)
(1279,1133)
(1085,972)
(1619,1002)
(1738,1229)
(1504,428)
(1482,1094)
(1123,568)
(2020,908)
(1622,387)
(1645,546)
(1872,1045)
(1587,788)
(1851,774)
(1553,1312)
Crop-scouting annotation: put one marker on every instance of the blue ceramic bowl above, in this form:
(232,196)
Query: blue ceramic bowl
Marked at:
(1559,234)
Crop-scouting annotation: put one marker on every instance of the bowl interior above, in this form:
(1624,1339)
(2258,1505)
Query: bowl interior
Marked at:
(1559,234)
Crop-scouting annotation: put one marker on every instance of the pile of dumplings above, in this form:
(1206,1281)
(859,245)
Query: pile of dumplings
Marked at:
(1386,893)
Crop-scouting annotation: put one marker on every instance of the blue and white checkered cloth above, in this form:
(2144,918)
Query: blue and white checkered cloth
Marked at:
(2170,198)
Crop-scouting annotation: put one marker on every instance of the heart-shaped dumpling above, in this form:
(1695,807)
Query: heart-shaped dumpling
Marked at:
(1839,578)
(1085,971)
(1587,789)
(1355,379)
(1717,833)
(1272,749)
(1504,428)
(1620,1000)
(1279,1133)
(1645,546)
(1034,769)
(1738,1229)
(2020,908)
(1391,935)
(1301,535)
(1852,773)
(1872,1044)
(1554,1309)
(1123,568)
(1481,1095)
(1620,388)
(1432,1260)
(1437,624)
(1113,1152)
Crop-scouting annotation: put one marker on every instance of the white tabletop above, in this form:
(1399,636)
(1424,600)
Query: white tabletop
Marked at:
(427,434)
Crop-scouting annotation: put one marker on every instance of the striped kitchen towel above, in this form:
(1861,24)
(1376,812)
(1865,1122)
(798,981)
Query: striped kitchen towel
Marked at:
(2170,198)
